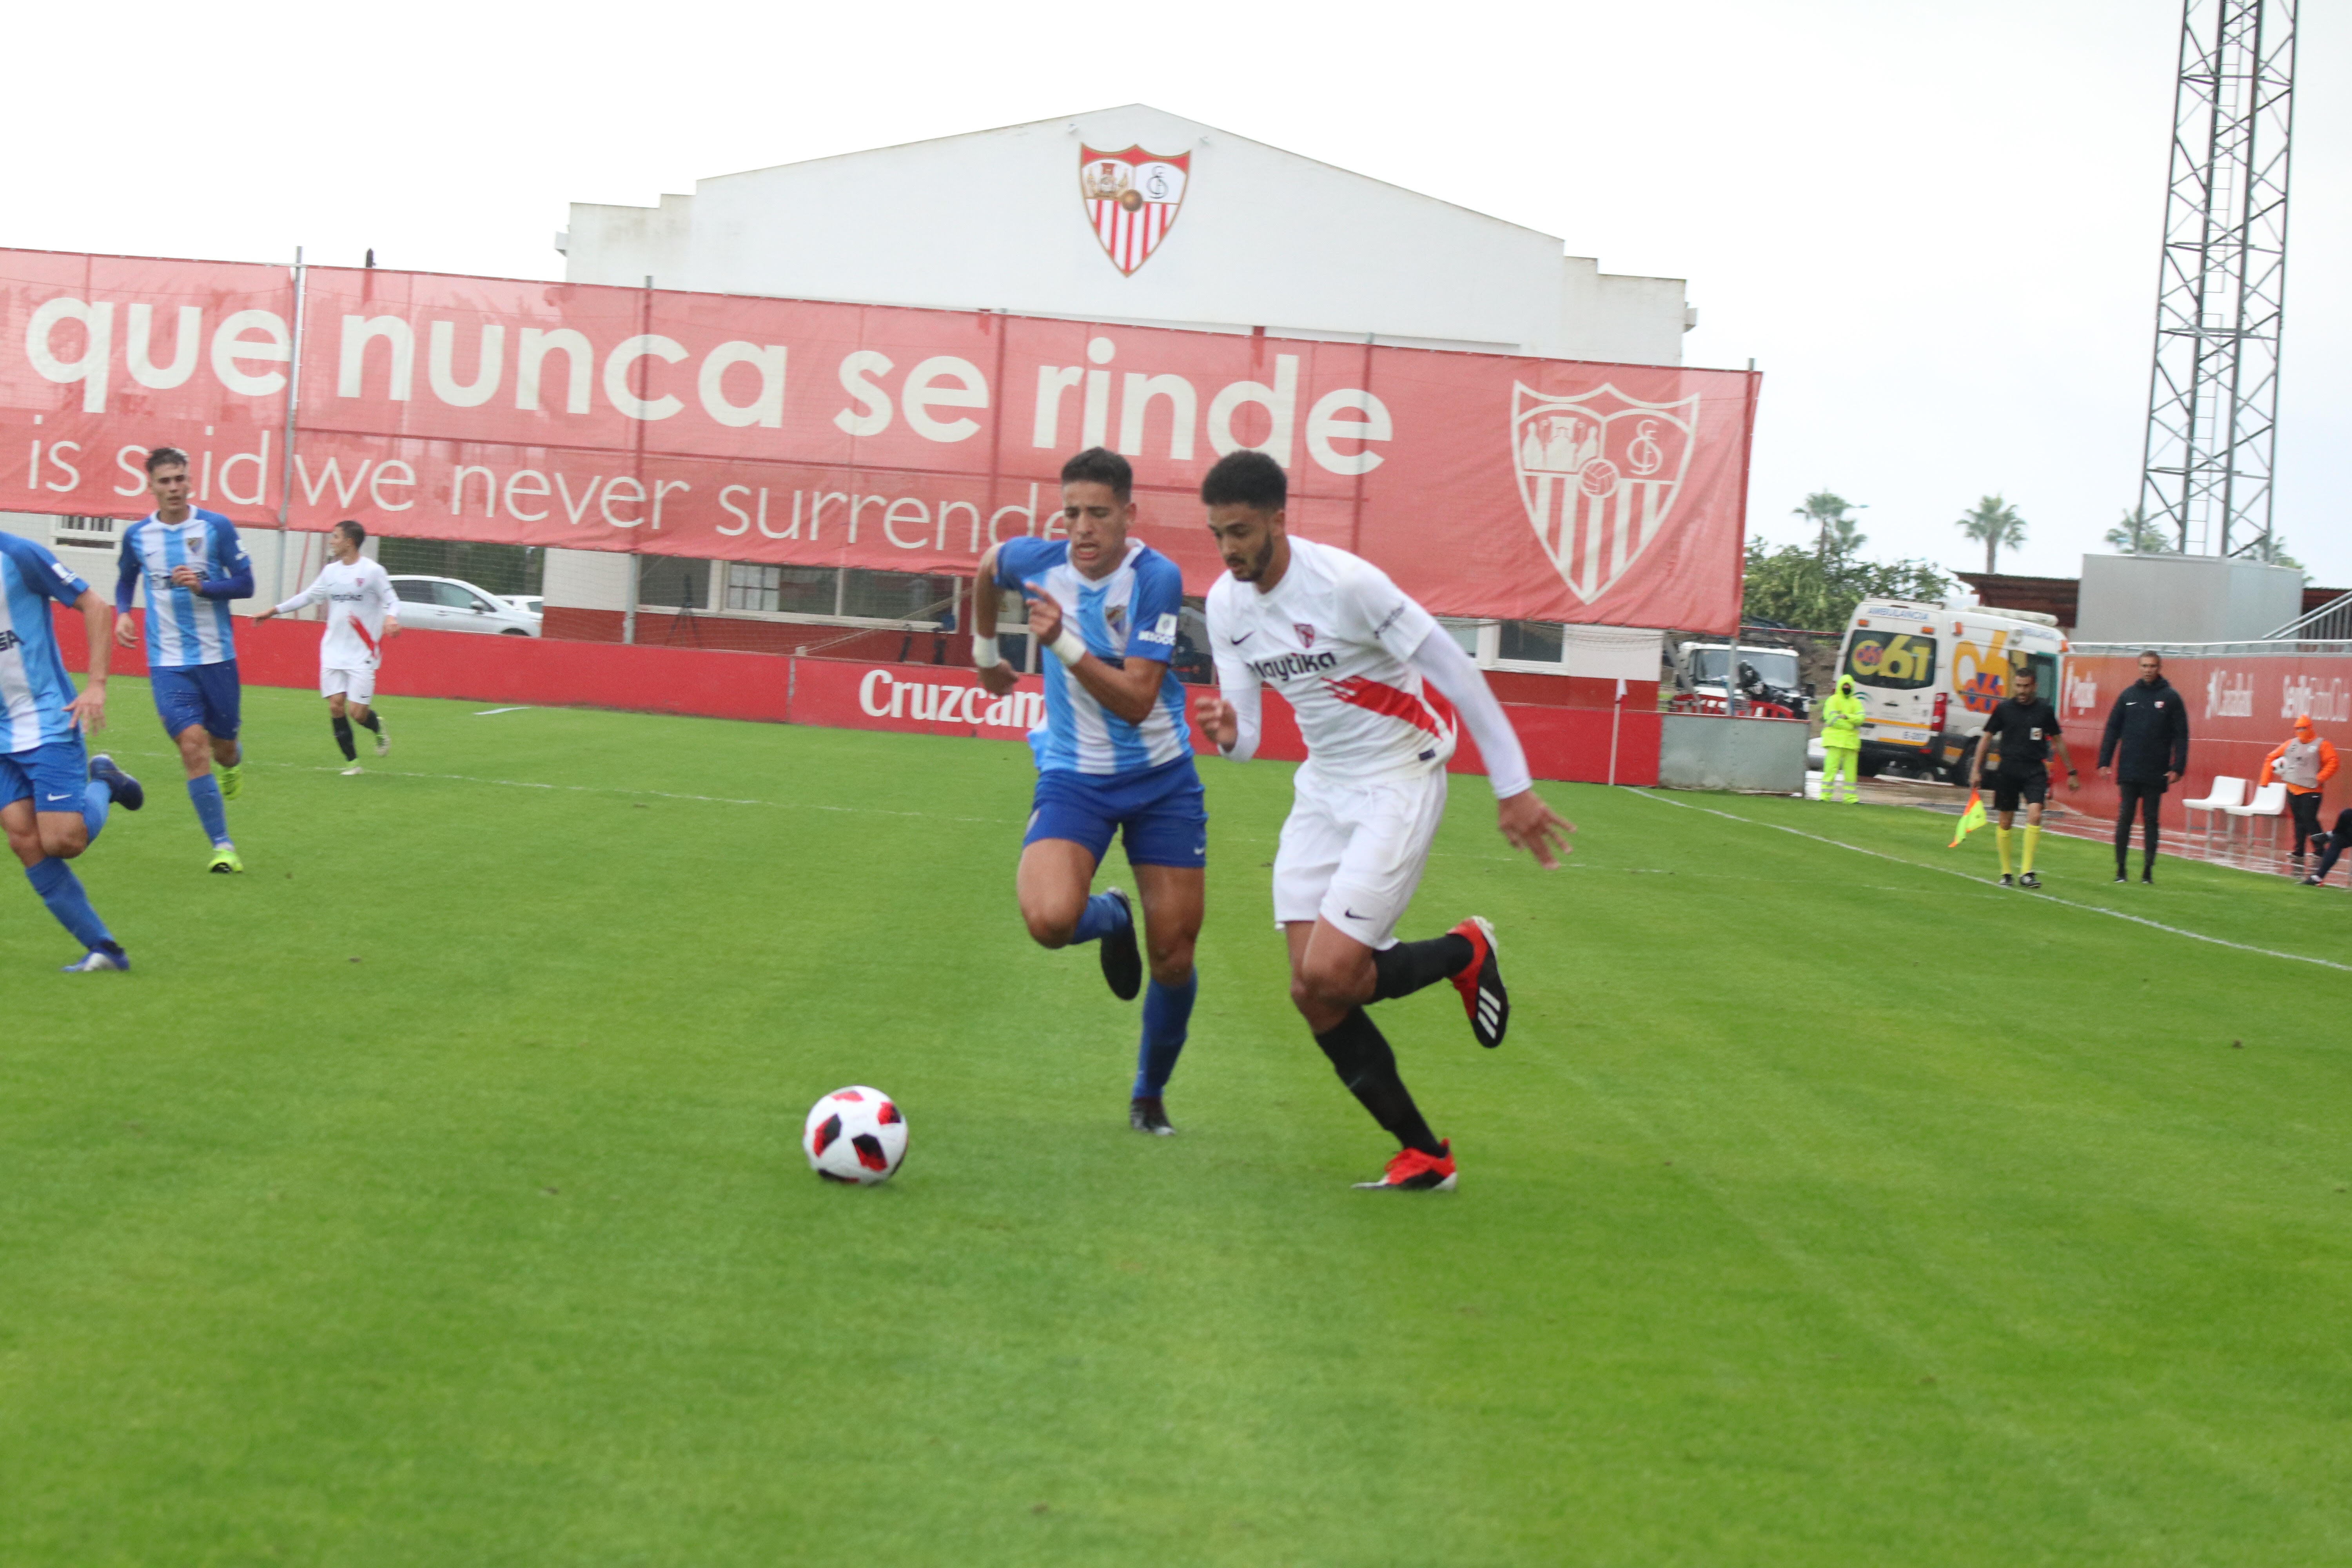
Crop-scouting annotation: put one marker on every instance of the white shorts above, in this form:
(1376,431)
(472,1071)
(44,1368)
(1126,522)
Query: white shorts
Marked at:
(1353,853)
(354,685)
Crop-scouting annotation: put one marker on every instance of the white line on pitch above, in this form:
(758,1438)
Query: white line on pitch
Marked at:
(2037,896)
(485,712)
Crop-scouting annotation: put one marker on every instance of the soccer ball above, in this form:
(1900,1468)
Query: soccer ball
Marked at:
(855,1135)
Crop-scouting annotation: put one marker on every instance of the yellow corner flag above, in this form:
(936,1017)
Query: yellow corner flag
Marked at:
(1970,820)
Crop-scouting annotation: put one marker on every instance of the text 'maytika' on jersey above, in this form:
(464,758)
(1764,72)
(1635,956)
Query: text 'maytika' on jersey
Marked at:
(359,600)
(1334,637)
(184,627)
(35,690)
(1130,613)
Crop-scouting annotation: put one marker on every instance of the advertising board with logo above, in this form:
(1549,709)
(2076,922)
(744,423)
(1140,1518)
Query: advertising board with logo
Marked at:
(755,429)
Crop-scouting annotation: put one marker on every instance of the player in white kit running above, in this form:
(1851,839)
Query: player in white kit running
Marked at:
(1377,686)
(362,611)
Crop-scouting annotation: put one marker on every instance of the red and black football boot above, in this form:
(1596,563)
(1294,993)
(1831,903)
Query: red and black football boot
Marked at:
(1411,1171)
(1480,982)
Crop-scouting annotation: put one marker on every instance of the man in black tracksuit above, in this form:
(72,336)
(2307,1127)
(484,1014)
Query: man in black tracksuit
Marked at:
(2147,743)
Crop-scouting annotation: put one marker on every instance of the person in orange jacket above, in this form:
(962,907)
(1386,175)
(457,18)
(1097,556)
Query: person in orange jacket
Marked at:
(2303,765)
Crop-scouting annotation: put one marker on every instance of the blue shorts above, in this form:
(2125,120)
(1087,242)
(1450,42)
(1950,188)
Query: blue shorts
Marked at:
(1159,814)
(51,775)
(204,694)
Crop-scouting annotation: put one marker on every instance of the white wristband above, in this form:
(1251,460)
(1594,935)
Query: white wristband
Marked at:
(986,653)
(1068,648)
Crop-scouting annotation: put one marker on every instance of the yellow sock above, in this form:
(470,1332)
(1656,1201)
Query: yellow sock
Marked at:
(2000,836)
(2033,838)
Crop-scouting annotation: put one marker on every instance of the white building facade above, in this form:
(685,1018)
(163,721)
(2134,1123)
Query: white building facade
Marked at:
(1073,217)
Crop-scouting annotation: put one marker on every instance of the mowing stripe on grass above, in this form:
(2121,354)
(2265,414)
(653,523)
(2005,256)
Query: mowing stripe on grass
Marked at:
(2043,897)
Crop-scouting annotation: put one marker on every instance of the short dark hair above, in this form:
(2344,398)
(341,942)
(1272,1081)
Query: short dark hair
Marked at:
(1247,477)
(2151,653)
(352,526)
(1101,466)
(163,457)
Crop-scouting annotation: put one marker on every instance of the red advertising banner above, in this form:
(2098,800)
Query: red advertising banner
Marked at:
(2240,709)
(779,431)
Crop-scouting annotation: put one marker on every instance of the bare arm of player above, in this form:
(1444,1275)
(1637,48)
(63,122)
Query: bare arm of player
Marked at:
(88,709)
(1131,690)
(998,678)
(1525,820)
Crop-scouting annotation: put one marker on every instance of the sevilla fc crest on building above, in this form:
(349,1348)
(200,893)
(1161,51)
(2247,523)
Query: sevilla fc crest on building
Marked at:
(1599,473)
(1131,199)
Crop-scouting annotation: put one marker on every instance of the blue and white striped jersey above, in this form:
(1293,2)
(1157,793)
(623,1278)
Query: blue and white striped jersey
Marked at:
(34,688)
(184,625)
(1132,613)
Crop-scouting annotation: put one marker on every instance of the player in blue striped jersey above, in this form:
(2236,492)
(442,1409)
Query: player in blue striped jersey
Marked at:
(52,804)
(193,566)
(1114,754)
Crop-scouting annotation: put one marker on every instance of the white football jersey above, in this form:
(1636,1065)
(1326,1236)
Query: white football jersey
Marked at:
(358,601)
(1334,637)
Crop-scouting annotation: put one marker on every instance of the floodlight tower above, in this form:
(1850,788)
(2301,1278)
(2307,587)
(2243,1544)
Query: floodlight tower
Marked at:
(2212,404)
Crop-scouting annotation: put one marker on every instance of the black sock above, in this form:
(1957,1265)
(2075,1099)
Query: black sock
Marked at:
(369,721)
(344,738)
(1402,970)
(1360,1055)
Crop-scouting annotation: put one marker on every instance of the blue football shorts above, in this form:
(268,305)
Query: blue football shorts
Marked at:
(50,774)
(204,694)
(1161,815)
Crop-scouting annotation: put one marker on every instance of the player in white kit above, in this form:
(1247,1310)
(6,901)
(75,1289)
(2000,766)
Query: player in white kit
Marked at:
(1377,686)
(362,611)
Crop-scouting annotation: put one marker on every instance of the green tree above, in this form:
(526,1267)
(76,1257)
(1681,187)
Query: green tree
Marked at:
(1835,533)
(2272,549)
(1996,522)
(2135,535)
(1791,587)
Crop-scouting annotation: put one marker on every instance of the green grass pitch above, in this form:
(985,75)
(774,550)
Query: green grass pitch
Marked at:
(432,1194)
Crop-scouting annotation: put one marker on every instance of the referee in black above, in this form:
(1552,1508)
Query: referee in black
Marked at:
(2019,736)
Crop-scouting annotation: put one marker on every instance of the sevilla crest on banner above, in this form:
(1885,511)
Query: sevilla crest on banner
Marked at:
(1599,473)
(1131,199)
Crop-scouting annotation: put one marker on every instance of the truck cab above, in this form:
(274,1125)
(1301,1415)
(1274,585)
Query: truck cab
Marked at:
(1930,675)
(1700,667)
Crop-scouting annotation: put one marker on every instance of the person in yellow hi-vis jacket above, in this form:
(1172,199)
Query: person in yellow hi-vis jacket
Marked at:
(1842,715)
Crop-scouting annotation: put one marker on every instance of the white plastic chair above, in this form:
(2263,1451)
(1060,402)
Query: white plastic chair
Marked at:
(2269,804)
(2226,793)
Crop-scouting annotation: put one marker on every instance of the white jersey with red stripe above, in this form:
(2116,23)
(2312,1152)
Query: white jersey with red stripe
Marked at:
(1335,638)
(359,600)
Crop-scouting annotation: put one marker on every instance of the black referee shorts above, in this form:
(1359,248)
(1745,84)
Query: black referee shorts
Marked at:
(2009,789)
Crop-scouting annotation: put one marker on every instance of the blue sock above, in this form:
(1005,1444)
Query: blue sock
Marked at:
(1102,916)
(97,800)
(1167,1014)
(61,890)
(205,793)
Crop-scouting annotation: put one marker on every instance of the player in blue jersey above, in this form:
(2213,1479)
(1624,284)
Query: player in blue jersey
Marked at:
(193,565)
(1115,755)
(52,804)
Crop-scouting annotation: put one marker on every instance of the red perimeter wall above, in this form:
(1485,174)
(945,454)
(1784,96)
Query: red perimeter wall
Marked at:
(2239,710)
(1567,736)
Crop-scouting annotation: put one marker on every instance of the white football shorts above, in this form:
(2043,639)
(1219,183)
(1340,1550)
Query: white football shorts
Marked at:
(1353,853)
(356,685)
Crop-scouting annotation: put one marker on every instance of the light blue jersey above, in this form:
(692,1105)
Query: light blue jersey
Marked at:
(185,627)
(33,686)
(1132,614)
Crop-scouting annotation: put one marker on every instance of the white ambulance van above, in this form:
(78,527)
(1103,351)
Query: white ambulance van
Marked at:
(1929,675)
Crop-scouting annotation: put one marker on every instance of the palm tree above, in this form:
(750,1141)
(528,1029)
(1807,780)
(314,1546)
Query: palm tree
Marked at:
(1996,522)
(2135,535)
(1838,534)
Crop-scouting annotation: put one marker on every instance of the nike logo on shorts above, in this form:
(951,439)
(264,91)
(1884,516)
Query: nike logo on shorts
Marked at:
(60,798)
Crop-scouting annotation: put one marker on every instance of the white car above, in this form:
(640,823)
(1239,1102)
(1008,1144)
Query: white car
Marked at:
(447,605)
(528,603)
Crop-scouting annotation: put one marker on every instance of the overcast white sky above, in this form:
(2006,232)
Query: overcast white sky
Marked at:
(1933,226)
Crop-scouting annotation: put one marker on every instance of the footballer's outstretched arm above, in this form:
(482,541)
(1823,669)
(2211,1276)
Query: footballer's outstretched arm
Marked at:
(1522,814)
(89,707)
(309,595)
